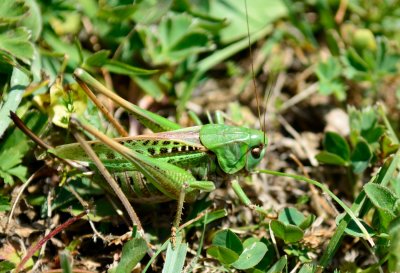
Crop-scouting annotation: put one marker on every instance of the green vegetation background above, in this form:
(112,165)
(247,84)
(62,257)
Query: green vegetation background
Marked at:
(327,74)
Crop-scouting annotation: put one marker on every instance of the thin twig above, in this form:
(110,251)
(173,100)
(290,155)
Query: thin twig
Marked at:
(341,11)
(86,206)
(18,197)
(192,220)
(299,139)
(34,248)
(73,270)
(306,93)
(47,231)
(273,240)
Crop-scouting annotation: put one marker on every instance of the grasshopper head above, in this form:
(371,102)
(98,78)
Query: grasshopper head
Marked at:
(257,144)
(236,148)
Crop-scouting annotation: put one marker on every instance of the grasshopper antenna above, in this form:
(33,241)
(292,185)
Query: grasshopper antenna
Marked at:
(262,126)
(20,124)
(270,89)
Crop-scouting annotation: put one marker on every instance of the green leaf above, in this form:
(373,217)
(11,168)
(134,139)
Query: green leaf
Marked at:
(355,61)
(388,146)
(360,157)
(288,233)
(16,42)
(328,70)
(179,37)
(132,253)
(268,258)
(249,241)
(15,145)
(150,86)
(336,144)
(8,179)
(385,201)
(330,158)
(19,81)
(6,266)
(278,266)
(374,134)
(150,11)
(364,123)
(307,222)
(291,216)
(394,249)
(353,229)
(308,268)
(9,158)
(223,254)
(226,238)
(394,226)
(251,256)
(58,46)
(33,19)
(381,197)
(117,13)
(301,253)
(65,261)
(368,119)
(189,44)
(16,140)
(294,217)
(19,171)
(261,13)
(327,87)
(126,69)
(97,59)
(175,258)
(4,203)
(12,11)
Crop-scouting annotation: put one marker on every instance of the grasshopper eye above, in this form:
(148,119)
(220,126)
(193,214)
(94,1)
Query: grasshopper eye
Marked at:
(256,152)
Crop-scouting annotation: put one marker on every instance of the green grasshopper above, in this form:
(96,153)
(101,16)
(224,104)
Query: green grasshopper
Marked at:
(159,164)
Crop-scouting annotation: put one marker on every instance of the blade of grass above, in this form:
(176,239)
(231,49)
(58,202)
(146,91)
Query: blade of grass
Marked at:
(360,206)
(176,257)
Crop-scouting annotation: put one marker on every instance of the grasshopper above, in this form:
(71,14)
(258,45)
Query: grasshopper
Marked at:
(154,167)
(172,164)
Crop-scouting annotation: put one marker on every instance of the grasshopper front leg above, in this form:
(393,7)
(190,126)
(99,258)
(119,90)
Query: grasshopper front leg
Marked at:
(167,178)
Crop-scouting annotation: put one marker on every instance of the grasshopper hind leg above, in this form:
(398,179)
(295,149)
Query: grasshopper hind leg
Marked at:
(137,189)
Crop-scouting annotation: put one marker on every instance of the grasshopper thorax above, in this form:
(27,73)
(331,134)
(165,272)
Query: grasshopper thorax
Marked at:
(236,148)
